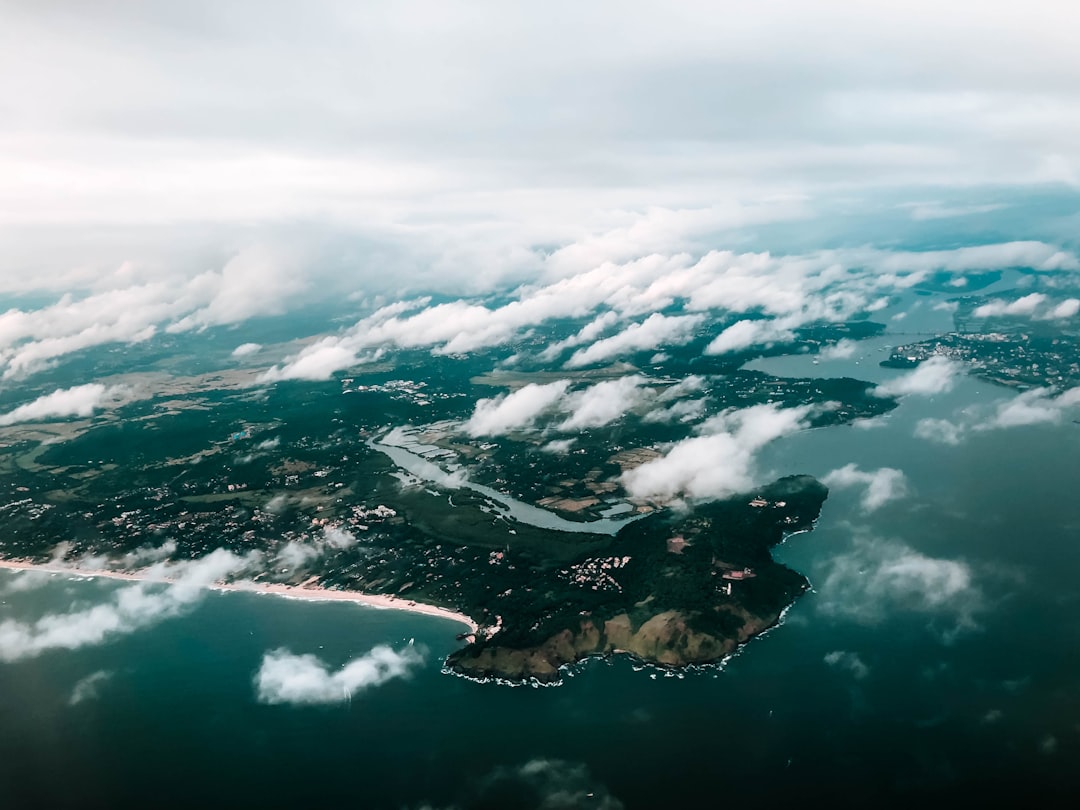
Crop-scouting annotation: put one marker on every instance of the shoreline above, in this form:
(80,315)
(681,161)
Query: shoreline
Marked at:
(307,593)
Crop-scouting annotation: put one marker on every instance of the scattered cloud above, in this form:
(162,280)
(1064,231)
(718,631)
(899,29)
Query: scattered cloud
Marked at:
(587,334)
(82,400)
(841,350)
(882,485)
(685,410)
(89,687)
(655,331)
(304,680)
(933,376)
(170,589)
(1021,306)
(878,578)
(745,334)
(244,349)
(1066,309)
(147,555)
(1037,406)
(604,402)
(255,281)
(849,662)
(559,446)
(718,463)
(520,409)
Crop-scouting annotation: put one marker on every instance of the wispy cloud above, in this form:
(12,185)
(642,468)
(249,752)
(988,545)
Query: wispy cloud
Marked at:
(304,680)
(878,578)
(129,609)
(89,687)
(1038,406)
(849,662)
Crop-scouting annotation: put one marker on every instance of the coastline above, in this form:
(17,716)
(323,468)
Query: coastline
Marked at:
(304,592)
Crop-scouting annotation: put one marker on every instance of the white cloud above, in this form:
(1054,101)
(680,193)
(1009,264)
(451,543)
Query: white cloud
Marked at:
(587,334)
(147,555)
(744,334)
(882,485)
(604,402)
(1021,306)
(933,376)
(719,463)
(244,349)
(791,290)
(685,410)
(687,385)
(82,400)
(129,609)
(317,362)
(297,554)
(254,281)
(848,661)
(879,578)
(89,687)
(841,350)
(520,409)
(1066,309)
(655,331)
(1033,407)
(304,680)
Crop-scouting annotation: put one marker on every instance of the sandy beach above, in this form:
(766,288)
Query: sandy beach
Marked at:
(277,589)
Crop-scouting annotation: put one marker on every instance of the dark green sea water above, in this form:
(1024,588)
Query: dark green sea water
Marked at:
(968,695)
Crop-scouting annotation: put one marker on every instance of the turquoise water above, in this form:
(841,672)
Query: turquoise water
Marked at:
(977,696)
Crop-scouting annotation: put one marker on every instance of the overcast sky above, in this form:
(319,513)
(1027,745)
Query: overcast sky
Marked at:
(456,138)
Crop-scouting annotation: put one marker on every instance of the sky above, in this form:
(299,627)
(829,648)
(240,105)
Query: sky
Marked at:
(458,144)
